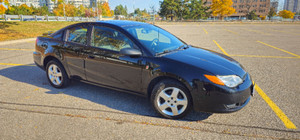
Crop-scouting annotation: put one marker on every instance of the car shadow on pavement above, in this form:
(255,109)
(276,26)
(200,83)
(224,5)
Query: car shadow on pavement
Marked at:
(121,102)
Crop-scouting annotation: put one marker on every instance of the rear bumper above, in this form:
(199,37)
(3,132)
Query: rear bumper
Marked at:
(37,58)
(220,99)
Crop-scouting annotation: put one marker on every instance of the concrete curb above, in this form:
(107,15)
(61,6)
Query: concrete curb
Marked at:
(17,41)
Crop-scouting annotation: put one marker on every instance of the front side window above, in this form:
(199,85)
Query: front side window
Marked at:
(78,35)
(110,39)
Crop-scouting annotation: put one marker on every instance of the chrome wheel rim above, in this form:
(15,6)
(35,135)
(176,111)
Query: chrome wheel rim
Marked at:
(55,74)
(172,101)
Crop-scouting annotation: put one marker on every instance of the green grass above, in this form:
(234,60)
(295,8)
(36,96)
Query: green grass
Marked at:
(21,30)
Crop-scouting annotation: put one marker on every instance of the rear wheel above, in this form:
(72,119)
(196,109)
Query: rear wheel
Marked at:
(171,99)
(57,75)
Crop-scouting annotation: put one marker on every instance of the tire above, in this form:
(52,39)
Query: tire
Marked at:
(166,103)
(57,75)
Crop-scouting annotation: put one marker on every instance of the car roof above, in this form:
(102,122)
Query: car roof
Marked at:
(122,23)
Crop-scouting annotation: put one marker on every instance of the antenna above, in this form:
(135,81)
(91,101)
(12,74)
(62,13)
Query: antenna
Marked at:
(133,5)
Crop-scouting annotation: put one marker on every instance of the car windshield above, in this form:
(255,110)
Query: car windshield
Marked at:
(155,39)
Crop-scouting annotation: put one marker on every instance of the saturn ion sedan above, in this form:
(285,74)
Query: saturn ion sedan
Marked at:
(145,60)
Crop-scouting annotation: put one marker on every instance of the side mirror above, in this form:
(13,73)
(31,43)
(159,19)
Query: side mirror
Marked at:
(131,52)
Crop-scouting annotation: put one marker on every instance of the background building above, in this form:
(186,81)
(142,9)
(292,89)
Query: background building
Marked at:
(275,5)
(292,5)
(93,2)
(242,7)
(50,4)
(35,3)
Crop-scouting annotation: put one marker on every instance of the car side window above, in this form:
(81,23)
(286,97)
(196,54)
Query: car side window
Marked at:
(107,38)
(78,35)
(58,36)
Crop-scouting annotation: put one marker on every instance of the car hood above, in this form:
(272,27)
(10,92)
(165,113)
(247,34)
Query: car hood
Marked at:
(207,60)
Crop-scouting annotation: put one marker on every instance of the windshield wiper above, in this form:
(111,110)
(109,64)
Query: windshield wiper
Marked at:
(184,46)
(165,51)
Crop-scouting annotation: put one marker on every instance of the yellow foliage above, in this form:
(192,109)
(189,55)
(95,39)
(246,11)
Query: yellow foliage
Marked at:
(70,10)
(286,14)
(144,14)
(2,9)
(222,8)
(106,10)
(59,10)
(262,17)
(112,13)
(5,2)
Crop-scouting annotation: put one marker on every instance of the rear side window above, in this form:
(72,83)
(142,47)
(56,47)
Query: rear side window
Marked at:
(78,35)
(58,36)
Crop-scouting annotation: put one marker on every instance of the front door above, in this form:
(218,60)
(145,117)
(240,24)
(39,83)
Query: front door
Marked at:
(107,66)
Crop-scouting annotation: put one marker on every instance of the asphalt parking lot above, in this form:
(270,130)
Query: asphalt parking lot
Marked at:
(31,109)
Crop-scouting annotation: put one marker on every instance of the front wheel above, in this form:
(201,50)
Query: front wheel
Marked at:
(171,99)
(57,75)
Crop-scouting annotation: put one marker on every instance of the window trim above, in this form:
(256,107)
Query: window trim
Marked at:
(67,34)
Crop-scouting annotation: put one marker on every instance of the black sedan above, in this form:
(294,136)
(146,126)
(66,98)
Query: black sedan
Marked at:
(145,60)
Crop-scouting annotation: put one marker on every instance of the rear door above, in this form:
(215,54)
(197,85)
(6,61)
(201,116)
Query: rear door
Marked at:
(76,42)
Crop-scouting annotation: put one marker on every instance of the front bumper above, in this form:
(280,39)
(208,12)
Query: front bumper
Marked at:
(220,99)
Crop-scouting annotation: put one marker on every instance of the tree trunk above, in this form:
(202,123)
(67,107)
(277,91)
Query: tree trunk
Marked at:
(221,17)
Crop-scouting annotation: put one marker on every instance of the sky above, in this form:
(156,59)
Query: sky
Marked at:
(142,4)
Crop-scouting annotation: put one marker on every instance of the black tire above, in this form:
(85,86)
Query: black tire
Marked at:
(157,100)
(65,81)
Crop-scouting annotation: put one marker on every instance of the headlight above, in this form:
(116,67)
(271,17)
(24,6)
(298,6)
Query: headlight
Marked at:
(228,80)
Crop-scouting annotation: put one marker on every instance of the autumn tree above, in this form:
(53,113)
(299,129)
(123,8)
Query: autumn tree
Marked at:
(41,11)
(106,10)
(251,16)
(89,12)
(286,14)
(57,2)
(2,7)
(70,10)
(222,8)
(59,10)
(272,12)
(19,10)
(145,13)
(80,11)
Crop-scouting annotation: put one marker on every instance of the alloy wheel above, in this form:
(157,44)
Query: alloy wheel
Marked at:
(172,101)
(55,74)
